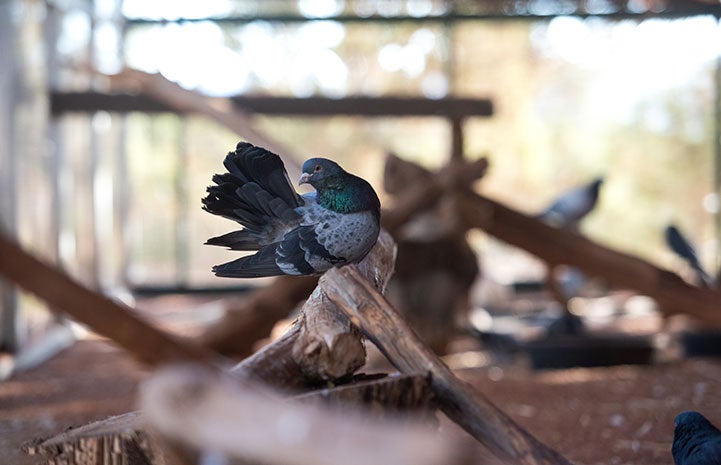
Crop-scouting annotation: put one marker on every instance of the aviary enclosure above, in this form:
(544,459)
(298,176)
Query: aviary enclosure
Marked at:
(544,288)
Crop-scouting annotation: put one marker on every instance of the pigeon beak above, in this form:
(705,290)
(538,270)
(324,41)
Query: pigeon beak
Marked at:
(303,178)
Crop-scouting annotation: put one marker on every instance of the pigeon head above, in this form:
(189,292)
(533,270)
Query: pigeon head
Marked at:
(691,421)
(321,173)
(337,190)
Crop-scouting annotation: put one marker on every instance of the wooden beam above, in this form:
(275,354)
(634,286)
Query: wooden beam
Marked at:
(522,12)
(559,246)
(103,315)
(251,318)
(381,323)
(64,102)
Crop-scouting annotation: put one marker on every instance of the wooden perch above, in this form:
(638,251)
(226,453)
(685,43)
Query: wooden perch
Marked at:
(220,110)
(559,246)
(103,315)
(369,310)
(249,319)
(322,346)
(250,425)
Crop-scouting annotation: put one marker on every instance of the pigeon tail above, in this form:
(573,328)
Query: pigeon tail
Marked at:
(256,193)
(259,265)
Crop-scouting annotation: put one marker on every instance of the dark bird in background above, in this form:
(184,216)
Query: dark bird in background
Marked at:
(571,206)
(683,248)
(293,234)
(695,440)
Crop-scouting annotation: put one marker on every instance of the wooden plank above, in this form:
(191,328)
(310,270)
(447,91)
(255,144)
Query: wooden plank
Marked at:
(64,102)
(381,323)
(103,315)
(520,11)
(366,106)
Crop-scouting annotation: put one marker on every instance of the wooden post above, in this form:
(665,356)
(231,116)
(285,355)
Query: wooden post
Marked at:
(9,91)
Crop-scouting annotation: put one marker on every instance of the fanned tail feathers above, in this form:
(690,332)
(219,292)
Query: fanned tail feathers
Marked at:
(255,192)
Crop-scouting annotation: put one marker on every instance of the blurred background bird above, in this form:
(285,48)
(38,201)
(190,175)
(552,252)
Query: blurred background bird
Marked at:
(567,210)
(682,247)
(695,440)
(293,234)
(565,282)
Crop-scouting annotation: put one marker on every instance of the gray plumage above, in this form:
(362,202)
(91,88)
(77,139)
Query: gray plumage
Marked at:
(293,234)
(573,205)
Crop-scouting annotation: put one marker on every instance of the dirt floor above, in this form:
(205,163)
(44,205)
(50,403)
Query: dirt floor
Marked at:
(617,415)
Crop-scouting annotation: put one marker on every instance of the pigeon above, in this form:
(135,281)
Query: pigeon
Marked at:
(570,207)
(695,440)
(683,248)
(293,234)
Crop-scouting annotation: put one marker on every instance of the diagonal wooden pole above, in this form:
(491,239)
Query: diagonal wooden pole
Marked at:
(108,318)
(380,322)
(559,246)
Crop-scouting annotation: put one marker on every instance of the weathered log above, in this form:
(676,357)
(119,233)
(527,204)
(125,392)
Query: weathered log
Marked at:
(103,315)
(247,424)
(322,346)
(369,310)
(118,439)
(123,438)
(249,319)
(559,246)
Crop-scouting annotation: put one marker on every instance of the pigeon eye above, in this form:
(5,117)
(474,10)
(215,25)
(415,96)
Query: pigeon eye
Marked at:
(317,168)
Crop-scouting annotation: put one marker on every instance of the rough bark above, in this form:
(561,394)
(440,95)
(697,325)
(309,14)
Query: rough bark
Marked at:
(322,346)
